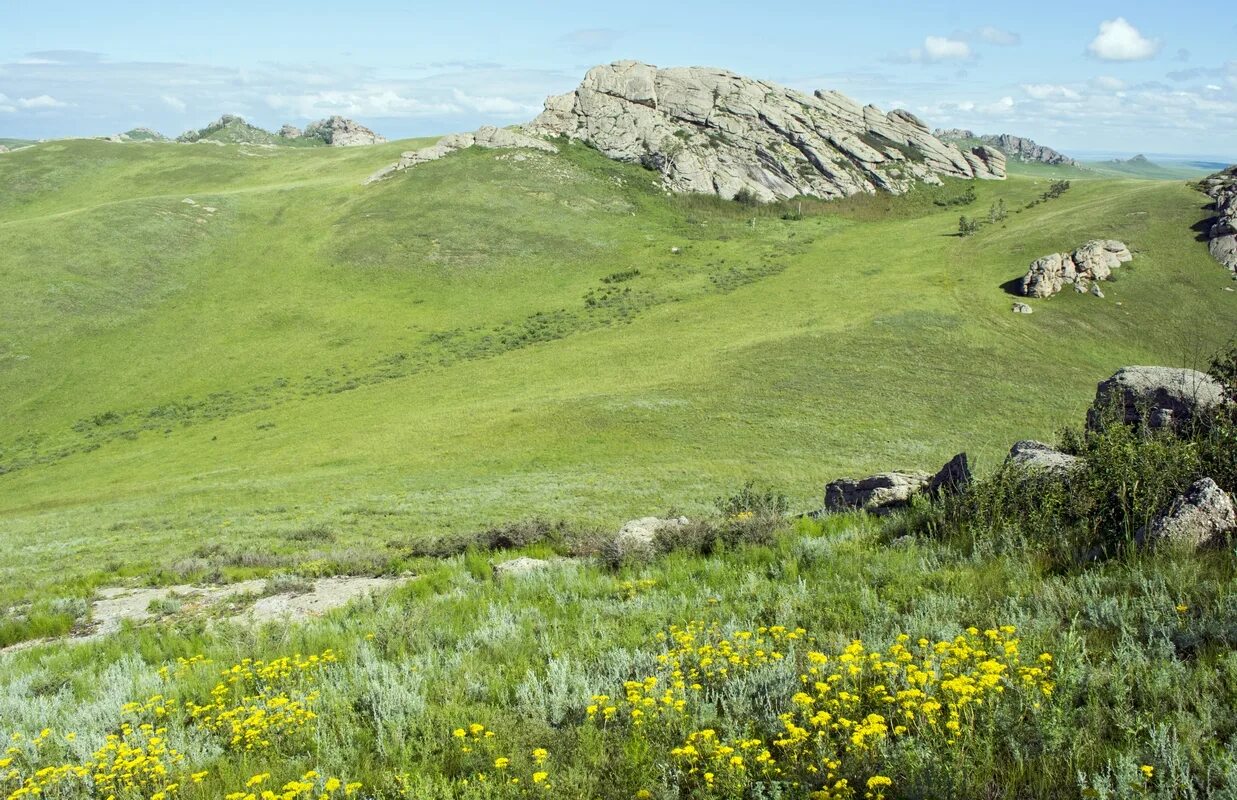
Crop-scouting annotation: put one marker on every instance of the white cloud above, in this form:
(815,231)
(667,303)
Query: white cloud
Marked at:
(372,101)
(40,102)
(1211,87)
(1044,91)
(502,106)
(174,103)
(1109,83)
(941,48)
(999,36)
(5,108)
(1118,40)
(1000,108)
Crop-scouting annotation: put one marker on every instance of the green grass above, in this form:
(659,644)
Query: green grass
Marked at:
(15,143)
(1148,170)
(441,351)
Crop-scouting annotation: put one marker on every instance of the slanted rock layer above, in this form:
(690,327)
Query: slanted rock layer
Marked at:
(487,137)
(338,131)
(1160,397)
(1093,261)
(1018,148)
(715,132)
(1222,188)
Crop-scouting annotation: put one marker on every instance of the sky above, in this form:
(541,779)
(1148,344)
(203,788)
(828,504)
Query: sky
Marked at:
(1120,77)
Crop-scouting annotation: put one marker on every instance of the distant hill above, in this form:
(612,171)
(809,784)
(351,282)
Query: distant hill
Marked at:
(142,135)
(231,129)
(1016,148)
(1140,166)
(13,144)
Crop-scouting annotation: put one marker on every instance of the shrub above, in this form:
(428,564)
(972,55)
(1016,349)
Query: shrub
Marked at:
(746,197)
(753,501)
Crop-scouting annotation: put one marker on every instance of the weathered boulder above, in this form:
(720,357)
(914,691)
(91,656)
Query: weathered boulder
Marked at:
(877,494)
(1093,261)
(1037,457)
(486,136)
(951,478)
(290,132)
(520,566)
(635,539)
(714,132)
(1158,396)
(338,131)
(1222,230)
(1022,308)
(1203,517)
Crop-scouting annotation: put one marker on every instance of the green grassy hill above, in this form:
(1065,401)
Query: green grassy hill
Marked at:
(1145,169)
(494,337)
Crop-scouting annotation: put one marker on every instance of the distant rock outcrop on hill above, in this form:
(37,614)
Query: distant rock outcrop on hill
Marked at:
(229,129)
(1018,148)
(487,137)
(3,149)
(1093,261)
(339,131)
(143,135)
(715,132)
(1222,188)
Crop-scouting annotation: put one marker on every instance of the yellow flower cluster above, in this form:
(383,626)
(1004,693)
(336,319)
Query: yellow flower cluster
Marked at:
(310,785)
(484,764)
(629,590)
(700,655)
(259,701)
(135,762)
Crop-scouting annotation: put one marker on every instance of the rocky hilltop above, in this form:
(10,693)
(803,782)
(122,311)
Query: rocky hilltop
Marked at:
(715,132)
(1222,188)
(1018,148)
(333,131)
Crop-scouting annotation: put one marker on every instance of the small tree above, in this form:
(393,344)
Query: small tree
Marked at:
(967,226)
(996,212)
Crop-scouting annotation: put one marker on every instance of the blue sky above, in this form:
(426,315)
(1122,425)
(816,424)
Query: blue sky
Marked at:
(1120,76)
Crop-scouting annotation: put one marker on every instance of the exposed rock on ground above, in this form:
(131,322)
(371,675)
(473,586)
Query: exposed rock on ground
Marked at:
(3,149)
(635,539)
(487,137)
(1160,396)
(1093,261)
(290,132)
(951,478)
(1018,148)
(877,494)
(1022,308)
(1222,188)
(715,132)
(1036,456)
(523,565)
(338,131)
(1202,517)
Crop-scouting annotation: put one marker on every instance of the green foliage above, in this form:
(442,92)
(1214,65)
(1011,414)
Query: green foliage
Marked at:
(967,226)
(746,197)
(753,500)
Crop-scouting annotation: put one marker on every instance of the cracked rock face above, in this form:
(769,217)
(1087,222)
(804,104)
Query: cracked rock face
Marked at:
(1093,261)
(487,136)
(338,132)
(715,132)
(1222,188)
(1160,397)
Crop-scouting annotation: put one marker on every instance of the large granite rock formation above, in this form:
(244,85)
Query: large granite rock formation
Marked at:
(338,131)
(1093,261)
(715,132)
(1018,148)
(1222,188)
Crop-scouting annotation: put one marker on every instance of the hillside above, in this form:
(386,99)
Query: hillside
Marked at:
(499,335)
(1144,168)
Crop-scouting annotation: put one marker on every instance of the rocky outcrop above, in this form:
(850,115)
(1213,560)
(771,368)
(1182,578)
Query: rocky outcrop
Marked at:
(951,478)
(1222,231)
(3,149)
(140,135)
(289,132)
(1093,261)
(1160,397)
(339,131)
(517,567)
(1019,148)
(877,494)
(487,137)
(715,132)
(1034,456)
(1203,517)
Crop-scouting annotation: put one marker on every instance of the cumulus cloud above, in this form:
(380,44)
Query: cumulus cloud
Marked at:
(43,101)
(1118,40)
(1044,91)
(941,48)
(1108,83)
(174,103)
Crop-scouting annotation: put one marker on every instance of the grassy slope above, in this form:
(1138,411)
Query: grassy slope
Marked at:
(419,355)
(1148,170)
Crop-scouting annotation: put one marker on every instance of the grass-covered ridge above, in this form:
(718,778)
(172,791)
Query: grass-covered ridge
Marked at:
(488,338)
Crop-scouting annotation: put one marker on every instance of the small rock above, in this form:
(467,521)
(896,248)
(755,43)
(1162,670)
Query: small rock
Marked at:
(1039,457)
(209,210)
(1080,286)
(1202,517)
(877,494)
(1228,288)
(952,478)
(635,538)
(1022,308)
(189,201)
(520,566)
(1095,290)
(675,251)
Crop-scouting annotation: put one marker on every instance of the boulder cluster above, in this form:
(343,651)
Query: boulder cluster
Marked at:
(337,131)
(1159,397)
(487,137)
(1018,148)
(714,132)
(1222,188)
(1083,268)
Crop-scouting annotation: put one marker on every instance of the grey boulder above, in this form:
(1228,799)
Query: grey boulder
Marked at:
(1092,261)
(877,494)
(1037,457)
(487,137)
(1203,517)
(1160,397)
(1222,230)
